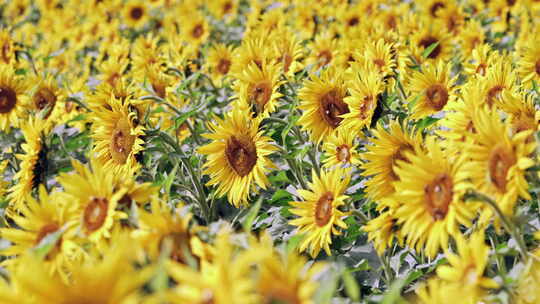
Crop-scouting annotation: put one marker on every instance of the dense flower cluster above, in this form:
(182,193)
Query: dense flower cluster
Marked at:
(261,151)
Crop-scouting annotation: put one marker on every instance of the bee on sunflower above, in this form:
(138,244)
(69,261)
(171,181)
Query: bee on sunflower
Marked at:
(322,100)
(237,156)
(319,213)
(433,89)
(117,136)
(430,190)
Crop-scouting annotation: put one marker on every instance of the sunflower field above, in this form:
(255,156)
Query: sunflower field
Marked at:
(269,151)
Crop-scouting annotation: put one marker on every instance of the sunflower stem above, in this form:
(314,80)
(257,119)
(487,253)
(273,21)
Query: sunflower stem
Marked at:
(508,225)
(387,269)
(164,102)
(359,214)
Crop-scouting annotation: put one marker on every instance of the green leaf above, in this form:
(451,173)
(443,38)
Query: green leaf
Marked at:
(182,118)
(413,276)
(77,118)
(411,104)
(288,128)
(169,180)
(280,177)
(426,122)
(429,49)
(47,243)
(20,72)
(393,295)
(351,286)
(294,242)
(252,214)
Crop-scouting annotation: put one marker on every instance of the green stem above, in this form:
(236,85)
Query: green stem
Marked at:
(359,214)
(164,102)
(508,225)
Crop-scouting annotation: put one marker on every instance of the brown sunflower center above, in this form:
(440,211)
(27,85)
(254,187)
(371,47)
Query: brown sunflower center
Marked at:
(343,153)
(259,94)
(197,31)
(494,94)
(46,230)
(435,8)
(437,96)
(125,200)
(136,13)
(323,209)
(43,98)
(398,155)
(8,99)
(332,107)
(499,163)
(325,56)
(537,67)
(287,60)
(160,89)
(241,154)
(121,141)
(427,42)
(6,52)
(223,66)
(438,195)
(95,213)
(227,7)
(353,21)
(481,69)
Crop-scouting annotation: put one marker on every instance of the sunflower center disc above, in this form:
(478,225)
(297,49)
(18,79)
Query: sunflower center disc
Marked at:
(323,209)
(121,142)
(427,42)
(241,155)
(481,69)
(499,163)
(437,96)
(494,94)
(343,154)
(332,107)
(136,13)
(398,155)
(353,21)
(198,31)
(223,66)
(179,242)
(46,230)
(95,213)
(8,98)
(44,98)
(260,94)
(227,7)
(6,50)
(438,195)
(537,67)
(325,57)
(435,7)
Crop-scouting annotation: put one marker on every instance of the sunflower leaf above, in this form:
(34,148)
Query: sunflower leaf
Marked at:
(288,128)
(182,118)
(252,214)
(351,286)
(429,49)
(47,243)
(393,296)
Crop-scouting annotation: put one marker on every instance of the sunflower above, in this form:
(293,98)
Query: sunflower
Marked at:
(237,156)
(36,220)
(218,62)
(382,231)
(471,36)
(224,9)
(437,291)
(253,50)
(387,147)
(45,98)
(288,50)
(140,193)
(7,48)
(195,29)
(283,278)
(322,100)
(428,35)
(529,62)
(319,214)
(522,111)
(378,55)
(304,18)
(323,50)
(135,13)
(117,136)
(433,89)
(12,106)
(93,275)
(500,79)
(257,89)
(480,60)
(467,268)
(33,163)
(528,285)
(430,190)
(433,8)
(453,17)
(498,160)
(340,149)
(365,88)
(91,189)
(163,226)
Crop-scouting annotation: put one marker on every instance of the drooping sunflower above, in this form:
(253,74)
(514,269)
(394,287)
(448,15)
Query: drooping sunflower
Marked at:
(382,231)
(135,13)
(257,89)
(95,274)
(498,160)
(432,89)
(218,62)
(12,98)
(386,148)
(430,190)
(35,220)
(340,148)
(529,62)
(365,88)
(117,136)
(283,278)
(322,100)
(467,266)
(92,190)
(33,163)
(237,156)
(164,226)
(319,214)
